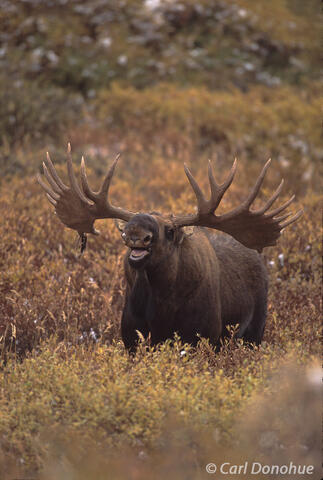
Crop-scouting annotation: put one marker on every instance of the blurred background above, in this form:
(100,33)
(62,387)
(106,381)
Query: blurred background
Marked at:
(177,79)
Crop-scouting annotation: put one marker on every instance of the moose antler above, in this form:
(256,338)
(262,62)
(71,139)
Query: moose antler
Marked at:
(253,228)
(78,208)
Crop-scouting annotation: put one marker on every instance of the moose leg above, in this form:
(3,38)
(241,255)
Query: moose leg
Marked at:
(244,325)
(130,326)
(255,330)
(137,310)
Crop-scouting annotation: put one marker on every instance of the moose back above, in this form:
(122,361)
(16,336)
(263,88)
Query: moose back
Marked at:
(180,276)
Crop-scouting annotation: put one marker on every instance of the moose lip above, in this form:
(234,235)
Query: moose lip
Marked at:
(138,254)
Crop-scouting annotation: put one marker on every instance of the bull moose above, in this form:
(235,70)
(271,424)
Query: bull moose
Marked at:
(180,277)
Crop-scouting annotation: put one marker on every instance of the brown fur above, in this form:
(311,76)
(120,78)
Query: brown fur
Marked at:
(192,285)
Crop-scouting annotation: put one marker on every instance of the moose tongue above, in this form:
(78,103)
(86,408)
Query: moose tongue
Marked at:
(138,253)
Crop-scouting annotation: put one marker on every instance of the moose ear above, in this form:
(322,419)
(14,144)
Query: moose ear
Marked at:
(188,230)
(120,224)
(185,232)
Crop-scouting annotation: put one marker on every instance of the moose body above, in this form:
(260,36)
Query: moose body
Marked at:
(194,287)
(180,277)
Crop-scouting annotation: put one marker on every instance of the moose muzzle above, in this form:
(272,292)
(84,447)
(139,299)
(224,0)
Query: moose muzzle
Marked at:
(139,242)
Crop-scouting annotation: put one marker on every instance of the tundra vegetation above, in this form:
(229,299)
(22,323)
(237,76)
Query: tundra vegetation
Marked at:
(186,81)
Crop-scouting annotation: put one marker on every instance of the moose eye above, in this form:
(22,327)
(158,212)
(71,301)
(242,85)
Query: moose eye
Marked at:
(169,233)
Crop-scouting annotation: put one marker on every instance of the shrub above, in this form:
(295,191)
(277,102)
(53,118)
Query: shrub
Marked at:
(206,42)
(278,123)
(96,413)
(31,112)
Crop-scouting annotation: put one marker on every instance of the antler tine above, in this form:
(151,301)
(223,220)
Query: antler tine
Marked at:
(217,191)
(71,176)
(283,217)
(51,200)
(282,207)
(50,180)
(226,184)
(214,186)
(272,199)
(293,219)
(104,190)
(54,173)
(50,192)
(198,192)
(85,185)
(256,188)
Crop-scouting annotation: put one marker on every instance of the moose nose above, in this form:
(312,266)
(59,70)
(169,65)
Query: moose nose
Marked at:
(147,239)
(133,241)
(138,241)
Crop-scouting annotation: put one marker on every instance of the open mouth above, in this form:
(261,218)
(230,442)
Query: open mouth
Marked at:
(138,254)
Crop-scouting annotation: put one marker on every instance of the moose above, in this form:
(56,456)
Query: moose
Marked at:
(180,277)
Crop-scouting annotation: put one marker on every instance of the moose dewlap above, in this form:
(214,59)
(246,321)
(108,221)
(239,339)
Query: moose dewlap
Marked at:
(180,277)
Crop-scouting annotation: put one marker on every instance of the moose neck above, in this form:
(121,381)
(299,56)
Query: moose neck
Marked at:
(162,277)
